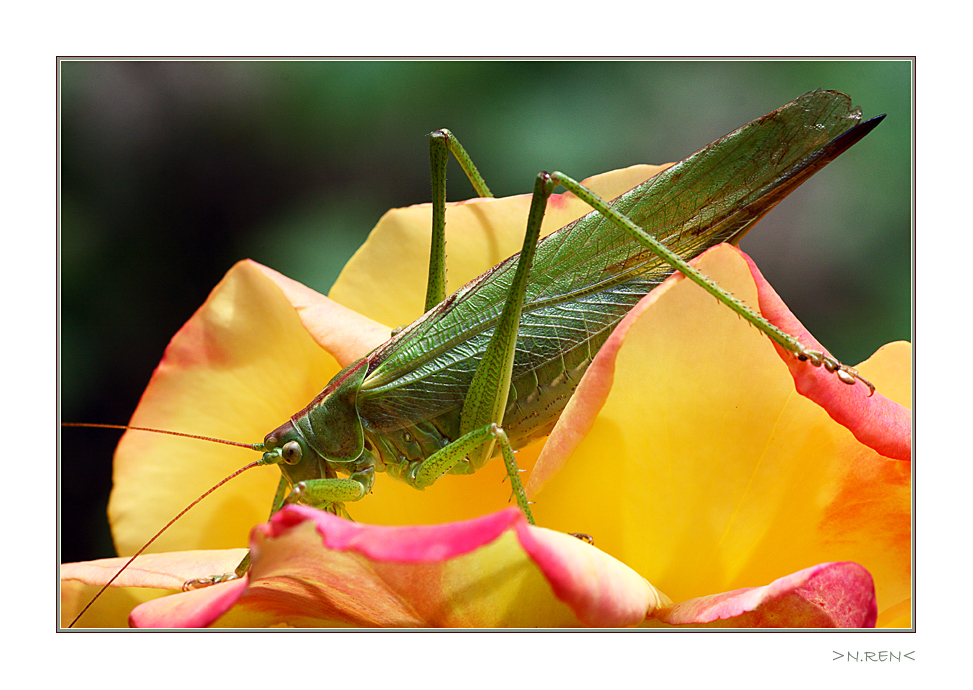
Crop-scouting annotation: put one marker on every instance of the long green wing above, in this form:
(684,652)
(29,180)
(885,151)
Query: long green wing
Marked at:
(589,274)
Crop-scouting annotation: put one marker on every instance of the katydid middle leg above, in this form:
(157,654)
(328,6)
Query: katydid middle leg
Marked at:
(441,144)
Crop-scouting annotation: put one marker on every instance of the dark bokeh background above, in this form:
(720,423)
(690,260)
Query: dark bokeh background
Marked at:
(173,171)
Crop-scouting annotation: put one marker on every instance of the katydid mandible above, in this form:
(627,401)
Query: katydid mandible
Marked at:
(495,363)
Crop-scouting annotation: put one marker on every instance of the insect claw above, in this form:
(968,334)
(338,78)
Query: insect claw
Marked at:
(850,376)
(586,538)
(201,582)
(845,377)
(845,374)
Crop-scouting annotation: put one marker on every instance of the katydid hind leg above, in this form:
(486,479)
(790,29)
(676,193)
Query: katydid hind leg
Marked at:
(816,358)
(489,391)
(487,397)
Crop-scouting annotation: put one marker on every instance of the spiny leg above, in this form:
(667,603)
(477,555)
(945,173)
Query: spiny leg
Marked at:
(486,399)
(816,358)
(325,493)
(440,462)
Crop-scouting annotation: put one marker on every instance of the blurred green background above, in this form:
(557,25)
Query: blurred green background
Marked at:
(172,171)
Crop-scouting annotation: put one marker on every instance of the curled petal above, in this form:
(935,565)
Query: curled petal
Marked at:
(194,609)
(830,595)
(313,569)
(875,420)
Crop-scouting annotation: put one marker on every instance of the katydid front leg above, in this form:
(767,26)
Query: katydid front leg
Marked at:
(323,493)
(326,494)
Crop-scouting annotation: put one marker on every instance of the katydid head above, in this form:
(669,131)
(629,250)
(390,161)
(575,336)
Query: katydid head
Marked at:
(284,446)
(325,434)
(287,447)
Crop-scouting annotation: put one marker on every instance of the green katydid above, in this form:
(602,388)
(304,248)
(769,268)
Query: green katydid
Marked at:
(495,362)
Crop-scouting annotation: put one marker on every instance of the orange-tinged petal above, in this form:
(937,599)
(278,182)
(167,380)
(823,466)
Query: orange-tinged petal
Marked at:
(149,576)
(704,469)
(344,334)
(830,595)
(896,616)
(313,569)
(241,366)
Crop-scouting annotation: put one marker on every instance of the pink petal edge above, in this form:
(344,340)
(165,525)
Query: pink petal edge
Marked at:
(877,422)
(553,552)
(840,595)
(621,597)
(602,591)
(397,544)
(195,609)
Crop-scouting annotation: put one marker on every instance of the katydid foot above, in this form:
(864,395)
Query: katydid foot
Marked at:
(845,374)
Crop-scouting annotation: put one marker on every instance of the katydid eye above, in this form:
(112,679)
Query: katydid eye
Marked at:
(291,452)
